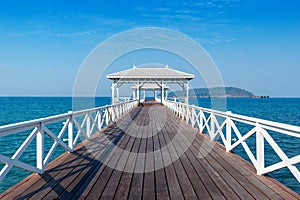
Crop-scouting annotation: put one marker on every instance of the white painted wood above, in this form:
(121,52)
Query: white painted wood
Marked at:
(57,139)
(281,154)
(260,150)
(118,94)
(95,122)
(18,154)
(228,134)
(187,93)
(243,138)
(212,126)
(18,164)
(88,126)
(260,128)
(219,131)
(282,164)
(40,147)
(103,114)
(112,93)
(80,130)
(70,131)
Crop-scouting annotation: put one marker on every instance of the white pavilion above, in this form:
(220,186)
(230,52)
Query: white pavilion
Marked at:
(143,79)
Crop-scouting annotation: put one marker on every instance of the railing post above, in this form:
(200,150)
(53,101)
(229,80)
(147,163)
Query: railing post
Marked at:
(201,128)
(107,116)
(70,130)
(112,113)
(40,148)
(193,120)
(228,132)
(187,111)
(99,119)
(212,125)
(260,150)
(116,112)
(88,126)
(182,111)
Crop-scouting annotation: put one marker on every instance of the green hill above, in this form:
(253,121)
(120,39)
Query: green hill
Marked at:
(214,92)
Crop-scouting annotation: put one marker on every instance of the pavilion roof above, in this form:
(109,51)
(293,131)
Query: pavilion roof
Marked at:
(149,86)
(150,73)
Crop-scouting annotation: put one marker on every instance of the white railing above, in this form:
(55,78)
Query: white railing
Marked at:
(86,122)
(224,124)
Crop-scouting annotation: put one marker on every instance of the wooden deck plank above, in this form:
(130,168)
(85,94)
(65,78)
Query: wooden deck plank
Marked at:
(217,175)
(228,178)
(149,178)
(185,184)
(226,191)
(161,187)
(114,180)
(32,181)
(86,166)
(103,179)
(52,182)
(225,176)
(264,189)
(100,150)
(172,180)
(202,174)
(123,188)
(136,188)
(196,182)
(74,187)
(89,183)
(272,188)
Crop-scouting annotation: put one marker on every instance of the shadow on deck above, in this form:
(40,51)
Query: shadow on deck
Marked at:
(150,154)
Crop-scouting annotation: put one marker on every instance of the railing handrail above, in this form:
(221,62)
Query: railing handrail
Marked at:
(90,124)
(50,119)
(79,112)
(196,117)
(264,122)
(31,123)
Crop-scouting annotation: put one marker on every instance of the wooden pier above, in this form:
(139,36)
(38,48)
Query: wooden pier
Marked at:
(81,175)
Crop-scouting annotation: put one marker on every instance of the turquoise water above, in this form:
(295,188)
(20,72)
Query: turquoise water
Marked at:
(284,110)
(16,109)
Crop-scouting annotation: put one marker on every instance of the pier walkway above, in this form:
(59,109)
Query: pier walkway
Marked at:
(202,171)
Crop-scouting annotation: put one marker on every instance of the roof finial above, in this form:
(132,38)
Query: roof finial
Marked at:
(133,65)
(167,65)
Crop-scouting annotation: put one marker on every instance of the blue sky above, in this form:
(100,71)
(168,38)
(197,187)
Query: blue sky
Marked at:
(255,44)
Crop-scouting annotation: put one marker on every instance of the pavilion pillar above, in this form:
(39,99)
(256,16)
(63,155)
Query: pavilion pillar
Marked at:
(155,94)
(112,93)
(187,93)
(166,98)
(145,94)
(163,93)
(118,93)
(138,92)
(133,94)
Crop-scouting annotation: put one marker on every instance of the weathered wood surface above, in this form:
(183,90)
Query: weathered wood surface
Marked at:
(207,174)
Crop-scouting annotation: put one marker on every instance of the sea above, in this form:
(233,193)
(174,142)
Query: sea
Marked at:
(284,110)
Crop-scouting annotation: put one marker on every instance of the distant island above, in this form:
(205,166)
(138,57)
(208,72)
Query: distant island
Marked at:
(216,92)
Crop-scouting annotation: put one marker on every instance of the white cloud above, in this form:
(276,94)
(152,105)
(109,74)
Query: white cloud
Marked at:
(203,19)
(77,34)
(29,33)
